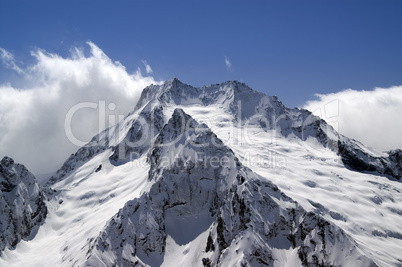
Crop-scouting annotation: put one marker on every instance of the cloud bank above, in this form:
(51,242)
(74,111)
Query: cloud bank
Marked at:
(372,117)
(32,119)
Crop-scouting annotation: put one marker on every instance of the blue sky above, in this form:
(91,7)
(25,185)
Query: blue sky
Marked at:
(55,54)
(292,49)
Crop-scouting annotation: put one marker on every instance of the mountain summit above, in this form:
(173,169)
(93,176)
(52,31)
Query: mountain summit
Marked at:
(219,175)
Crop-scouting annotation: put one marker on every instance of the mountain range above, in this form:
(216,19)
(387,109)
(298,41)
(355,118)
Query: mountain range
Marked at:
(219,175)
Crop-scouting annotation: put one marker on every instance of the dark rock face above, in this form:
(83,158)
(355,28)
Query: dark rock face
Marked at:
(22,205)
(356,158)
(139,137)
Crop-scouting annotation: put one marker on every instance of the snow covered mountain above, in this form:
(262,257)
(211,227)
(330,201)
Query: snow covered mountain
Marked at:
(220,175)
(224,214)
(22,206)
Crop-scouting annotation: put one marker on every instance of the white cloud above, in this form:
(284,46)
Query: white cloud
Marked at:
(32,119)
(372,117)
(227,63)
(9,61)
(148,68)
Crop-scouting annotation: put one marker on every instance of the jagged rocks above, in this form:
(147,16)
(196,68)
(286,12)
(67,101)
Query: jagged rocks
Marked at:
(354,156)
(22,205)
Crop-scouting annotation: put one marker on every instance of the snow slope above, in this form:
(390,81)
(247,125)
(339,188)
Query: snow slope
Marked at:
(128,195)
(78,210)
(365,205)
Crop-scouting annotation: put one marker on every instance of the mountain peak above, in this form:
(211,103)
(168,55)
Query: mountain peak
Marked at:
(238,86)
(226,95)
(179,135)
(176,81)
(172,84)
(6,161)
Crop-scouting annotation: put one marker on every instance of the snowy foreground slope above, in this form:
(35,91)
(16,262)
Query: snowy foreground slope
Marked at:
(219,175)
